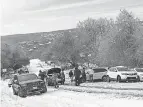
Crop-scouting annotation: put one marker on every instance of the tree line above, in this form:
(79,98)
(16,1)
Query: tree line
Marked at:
(105,42)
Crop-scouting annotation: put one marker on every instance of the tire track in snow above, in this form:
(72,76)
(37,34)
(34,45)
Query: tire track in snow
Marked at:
(122,93)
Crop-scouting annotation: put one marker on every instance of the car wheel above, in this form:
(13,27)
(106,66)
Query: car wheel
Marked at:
(21,93)
(118,78)
(104,78)
(44,89)
(108,79)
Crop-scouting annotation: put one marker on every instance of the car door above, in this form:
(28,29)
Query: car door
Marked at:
(95,74)
(114,74)
(99,73)
(111,73)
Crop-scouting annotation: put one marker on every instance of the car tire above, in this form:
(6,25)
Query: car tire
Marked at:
(104,78)
(21,93)
(118,78)
(108,79)
(44,89)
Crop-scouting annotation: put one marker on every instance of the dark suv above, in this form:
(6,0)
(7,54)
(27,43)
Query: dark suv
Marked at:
(26,84)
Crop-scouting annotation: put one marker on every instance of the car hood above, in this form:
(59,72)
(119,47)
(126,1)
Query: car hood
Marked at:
(29,81)
(129,72)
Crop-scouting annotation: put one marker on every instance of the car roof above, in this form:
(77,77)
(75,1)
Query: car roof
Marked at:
(101,68)
(26,74)
(138,68)
(121,66)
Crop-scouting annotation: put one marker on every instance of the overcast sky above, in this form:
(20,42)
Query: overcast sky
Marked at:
(28,16)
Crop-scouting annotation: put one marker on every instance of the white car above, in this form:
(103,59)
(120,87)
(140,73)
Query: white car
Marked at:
(121,73)
(96,74)
(139,73)
(100,74)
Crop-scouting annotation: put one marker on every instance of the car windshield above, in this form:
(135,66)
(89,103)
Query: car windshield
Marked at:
(139,69)
(27,77)
(99,70)
(122,69)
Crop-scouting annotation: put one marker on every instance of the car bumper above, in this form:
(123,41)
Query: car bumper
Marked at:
(128,77)
(32,91)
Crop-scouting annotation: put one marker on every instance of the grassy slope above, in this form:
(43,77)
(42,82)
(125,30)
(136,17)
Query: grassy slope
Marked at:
(33,40)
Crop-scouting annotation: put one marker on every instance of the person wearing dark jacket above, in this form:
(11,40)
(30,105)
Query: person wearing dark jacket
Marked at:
(42,75)
(83,75)
(71,75)
(62,77)
(77,74)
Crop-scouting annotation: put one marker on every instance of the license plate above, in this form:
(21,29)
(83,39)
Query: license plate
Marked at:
(34,87)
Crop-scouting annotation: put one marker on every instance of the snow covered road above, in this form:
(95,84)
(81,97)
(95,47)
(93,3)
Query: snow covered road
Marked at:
(65,98)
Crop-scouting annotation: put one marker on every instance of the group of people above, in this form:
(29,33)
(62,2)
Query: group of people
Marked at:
(55,77)
(78,75)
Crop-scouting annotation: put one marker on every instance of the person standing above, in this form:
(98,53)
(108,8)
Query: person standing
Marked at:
(62,77)
(42,75)
(55,79)
(83,75)
(77,74)
(71,75)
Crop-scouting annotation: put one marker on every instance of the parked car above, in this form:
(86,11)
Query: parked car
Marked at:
(139,73)
(100,74)
(50,72)
(26,84)
(121,73)
(89,74)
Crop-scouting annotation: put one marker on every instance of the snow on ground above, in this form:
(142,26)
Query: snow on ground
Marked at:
(86,95)
(63,98)
(116,85)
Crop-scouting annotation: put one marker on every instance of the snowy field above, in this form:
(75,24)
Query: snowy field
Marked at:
(97,94)
(66,98)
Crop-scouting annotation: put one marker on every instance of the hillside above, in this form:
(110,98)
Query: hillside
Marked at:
(34,43)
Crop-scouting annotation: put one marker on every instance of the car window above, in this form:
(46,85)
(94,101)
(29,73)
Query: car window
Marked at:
(90,71)
(139,69)
(27,77)
(112,69)
(99,70)
(123,69)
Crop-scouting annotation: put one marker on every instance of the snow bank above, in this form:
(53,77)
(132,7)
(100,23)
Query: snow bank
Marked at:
(115,85)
